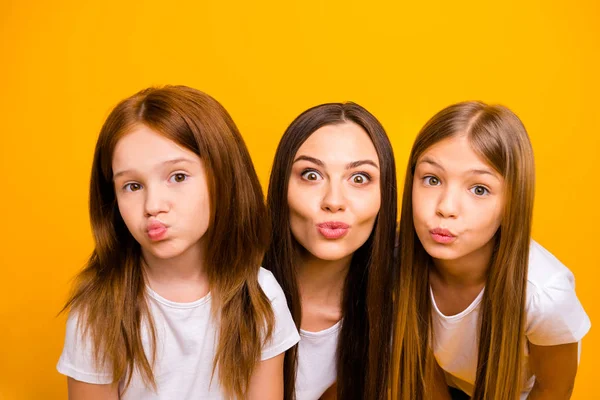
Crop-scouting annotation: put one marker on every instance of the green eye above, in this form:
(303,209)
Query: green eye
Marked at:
(432,181)
(479,190)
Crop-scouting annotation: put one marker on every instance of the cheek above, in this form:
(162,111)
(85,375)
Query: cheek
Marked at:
(365,205)
(303,202)
(486,220)
(199,201)
(422,205)
(128,210)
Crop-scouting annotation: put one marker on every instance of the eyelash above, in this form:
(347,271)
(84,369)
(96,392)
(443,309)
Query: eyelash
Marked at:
(127,186)
(186,176)
(367,176)
(427,178)
(309,170)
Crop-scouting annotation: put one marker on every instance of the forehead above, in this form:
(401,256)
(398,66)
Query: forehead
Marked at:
(344,142)
(144,147)
(455,154)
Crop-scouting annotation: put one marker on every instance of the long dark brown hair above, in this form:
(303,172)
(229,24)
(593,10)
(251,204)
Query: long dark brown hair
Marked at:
(497,135)
(364,350)
(109,294)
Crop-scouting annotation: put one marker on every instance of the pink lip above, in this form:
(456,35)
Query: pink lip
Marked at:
(333,229)
(156,230)
(442,235)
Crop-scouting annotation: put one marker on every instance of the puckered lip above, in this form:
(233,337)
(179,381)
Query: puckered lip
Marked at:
(333,225)
(442,232)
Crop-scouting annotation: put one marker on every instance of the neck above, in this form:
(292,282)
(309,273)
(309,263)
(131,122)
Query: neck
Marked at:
(323,280)
(467,271)
(186,268)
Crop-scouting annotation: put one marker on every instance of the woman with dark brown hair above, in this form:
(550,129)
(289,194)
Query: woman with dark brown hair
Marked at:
(172,303)
(332,202)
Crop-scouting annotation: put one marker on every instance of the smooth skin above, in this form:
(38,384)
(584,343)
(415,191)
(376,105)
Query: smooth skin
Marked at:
(157,180)
(455,189)
(335,177)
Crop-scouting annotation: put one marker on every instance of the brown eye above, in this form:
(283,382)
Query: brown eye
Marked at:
(360,179)
(132,187)
(179,177)
(311,176)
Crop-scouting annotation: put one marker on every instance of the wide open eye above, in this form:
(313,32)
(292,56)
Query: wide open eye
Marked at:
(431,180)
(311,175)
(360,178)
(479,190)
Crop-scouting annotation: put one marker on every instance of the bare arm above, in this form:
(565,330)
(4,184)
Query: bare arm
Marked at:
(267,380)
(554,368)
(440,388)
(330,393)
(88,391)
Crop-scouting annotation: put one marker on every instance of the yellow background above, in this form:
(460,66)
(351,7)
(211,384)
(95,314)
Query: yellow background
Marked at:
(65,64)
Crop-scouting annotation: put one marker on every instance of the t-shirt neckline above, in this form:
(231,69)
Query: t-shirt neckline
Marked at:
(461,314)
(175,304)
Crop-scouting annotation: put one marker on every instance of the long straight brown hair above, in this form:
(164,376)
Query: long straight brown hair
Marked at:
(497,135)
(363,351)
(109,294)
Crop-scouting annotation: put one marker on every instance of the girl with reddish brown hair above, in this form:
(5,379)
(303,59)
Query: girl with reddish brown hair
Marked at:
(481,306)
(172,303)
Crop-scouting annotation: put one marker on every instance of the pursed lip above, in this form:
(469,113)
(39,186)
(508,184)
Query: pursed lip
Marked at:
(442,235)
(333,229)
(156,230)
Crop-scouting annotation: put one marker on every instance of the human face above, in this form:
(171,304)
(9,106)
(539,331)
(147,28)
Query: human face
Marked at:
(334,191)
(162,194)
(457,201)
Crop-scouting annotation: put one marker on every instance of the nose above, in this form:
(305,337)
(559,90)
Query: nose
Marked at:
(334,199)
(448,203)
(156,201)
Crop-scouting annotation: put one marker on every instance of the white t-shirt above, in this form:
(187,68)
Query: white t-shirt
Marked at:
(554,316)
(186,338)
(316,362)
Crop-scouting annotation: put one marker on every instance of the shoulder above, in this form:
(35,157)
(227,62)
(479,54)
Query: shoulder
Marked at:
(546,270)
(269,284)
(554,313)
(285,333)
(77,359)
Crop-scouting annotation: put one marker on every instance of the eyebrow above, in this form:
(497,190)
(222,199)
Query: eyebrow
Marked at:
(428,160)
(168,162)
(353,164)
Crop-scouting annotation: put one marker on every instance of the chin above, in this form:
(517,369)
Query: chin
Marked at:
(441,251)
(164,251)
(330,252)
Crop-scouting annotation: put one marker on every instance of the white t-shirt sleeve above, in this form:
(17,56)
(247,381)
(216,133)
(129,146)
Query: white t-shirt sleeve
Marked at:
(285,334)
(555,315)
(76,360)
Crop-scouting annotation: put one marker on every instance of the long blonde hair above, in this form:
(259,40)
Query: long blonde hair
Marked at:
(109,294)
(497,135)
